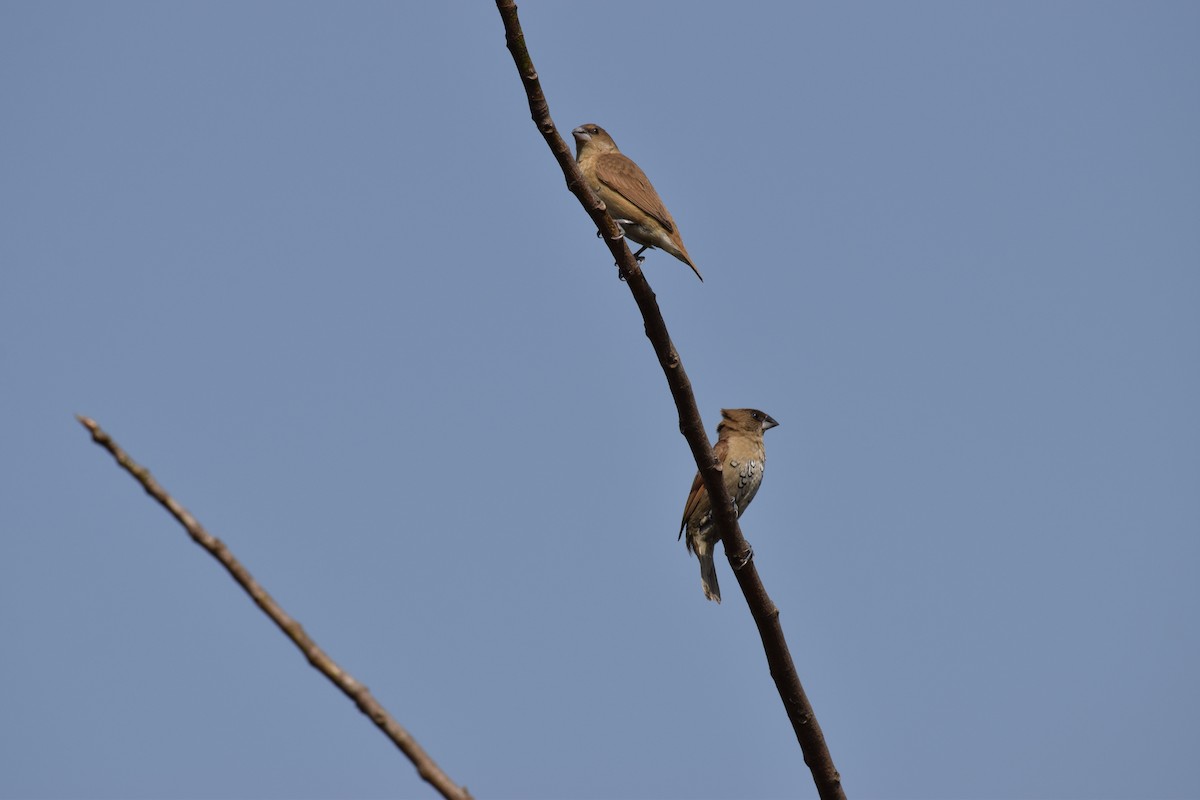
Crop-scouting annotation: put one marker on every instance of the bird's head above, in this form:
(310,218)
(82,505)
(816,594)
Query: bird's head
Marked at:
(750,420)
(592,136)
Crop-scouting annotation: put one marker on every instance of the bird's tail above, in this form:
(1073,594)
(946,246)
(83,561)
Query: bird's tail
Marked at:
(708,569)
(674,246)
(688,260)
(683,256)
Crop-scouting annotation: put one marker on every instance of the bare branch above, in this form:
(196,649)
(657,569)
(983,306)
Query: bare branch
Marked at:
(691,425)
(427,768)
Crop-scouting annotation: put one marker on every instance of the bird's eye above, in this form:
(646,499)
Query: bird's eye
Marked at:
(755,415)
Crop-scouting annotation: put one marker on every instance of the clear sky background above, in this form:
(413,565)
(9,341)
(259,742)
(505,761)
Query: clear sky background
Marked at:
(314,266)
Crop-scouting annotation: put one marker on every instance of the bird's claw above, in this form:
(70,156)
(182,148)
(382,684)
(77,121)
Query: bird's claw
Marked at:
(742,559)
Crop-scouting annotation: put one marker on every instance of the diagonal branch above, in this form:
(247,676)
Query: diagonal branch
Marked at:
(691,425)
(427,768)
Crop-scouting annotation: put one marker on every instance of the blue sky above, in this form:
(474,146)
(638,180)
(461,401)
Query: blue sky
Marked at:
(314,266)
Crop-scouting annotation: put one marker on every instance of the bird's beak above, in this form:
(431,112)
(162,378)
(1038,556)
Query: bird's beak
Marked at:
(580,134)
(768,423)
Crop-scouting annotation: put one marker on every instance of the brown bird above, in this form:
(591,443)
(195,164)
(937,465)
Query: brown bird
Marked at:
(739,448)
(626,191)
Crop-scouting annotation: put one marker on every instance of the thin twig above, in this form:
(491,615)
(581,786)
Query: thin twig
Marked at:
(427,768)
(691,425)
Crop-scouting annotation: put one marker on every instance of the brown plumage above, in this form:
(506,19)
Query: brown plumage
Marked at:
(740,450)
(627,193)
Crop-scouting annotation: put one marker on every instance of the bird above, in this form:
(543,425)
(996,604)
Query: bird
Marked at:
(739,449)
(627,193)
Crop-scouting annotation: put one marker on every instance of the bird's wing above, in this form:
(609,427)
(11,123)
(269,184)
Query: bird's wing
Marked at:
(619,173)
(699,494)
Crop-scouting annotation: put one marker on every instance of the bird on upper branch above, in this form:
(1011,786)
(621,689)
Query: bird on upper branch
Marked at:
(627,193)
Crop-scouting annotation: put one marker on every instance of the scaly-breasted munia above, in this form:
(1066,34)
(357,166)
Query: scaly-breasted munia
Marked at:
(626,191)
(739,449)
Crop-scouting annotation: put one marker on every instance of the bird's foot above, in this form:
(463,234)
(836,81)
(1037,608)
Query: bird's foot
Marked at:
(742,559)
